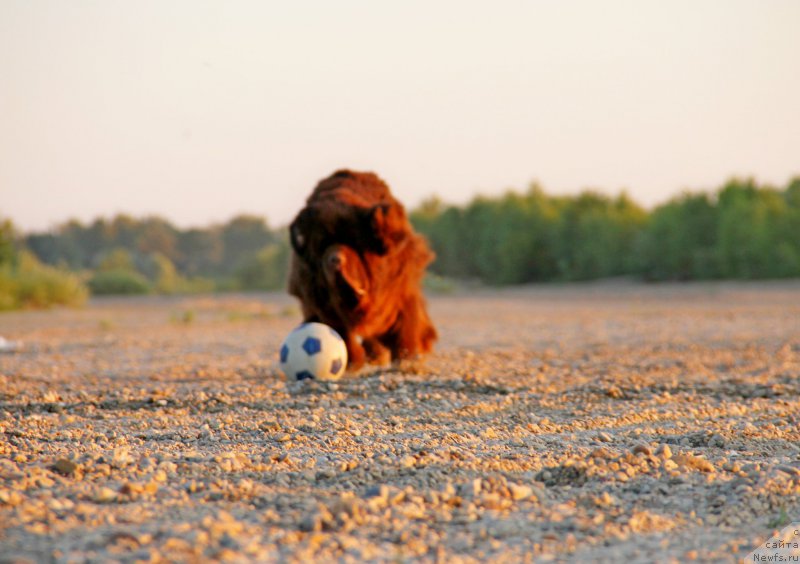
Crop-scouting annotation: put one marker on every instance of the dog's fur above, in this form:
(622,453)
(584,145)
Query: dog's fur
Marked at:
(357,265)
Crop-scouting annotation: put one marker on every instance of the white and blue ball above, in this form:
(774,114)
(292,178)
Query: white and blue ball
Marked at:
(313,351)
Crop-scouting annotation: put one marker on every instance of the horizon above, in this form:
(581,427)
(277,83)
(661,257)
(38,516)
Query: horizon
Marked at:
(197,112)
(274,226)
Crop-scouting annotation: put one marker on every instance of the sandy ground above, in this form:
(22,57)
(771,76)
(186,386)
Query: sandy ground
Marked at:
(601,422)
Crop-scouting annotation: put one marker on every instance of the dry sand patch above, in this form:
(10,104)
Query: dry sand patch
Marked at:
(584,422)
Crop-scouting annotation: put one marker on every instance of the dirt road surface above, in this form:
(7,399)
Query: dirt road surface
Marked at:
(599,422)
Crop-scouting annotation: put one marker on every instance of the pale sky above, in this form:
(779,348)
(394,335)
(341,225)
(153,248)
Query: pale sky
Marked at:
(197,110)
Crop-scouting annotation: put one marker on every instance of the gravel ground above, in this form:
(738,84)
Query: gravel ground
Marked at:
(599,422)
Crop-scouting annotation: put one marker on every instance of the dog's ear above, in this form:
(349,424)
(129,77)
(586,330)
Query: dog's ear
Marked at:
(387,223)
(298,234)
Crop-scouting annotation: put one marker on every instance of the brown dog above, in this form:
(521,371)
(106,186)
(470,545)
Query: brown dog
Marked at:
(357,265)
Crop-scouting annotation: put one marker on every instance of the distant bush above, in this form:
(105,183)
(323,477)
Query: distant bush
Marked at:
(438,284)
(115,282)
(196,285)
(266,270)
(7,247)
(165,278)
(30,284)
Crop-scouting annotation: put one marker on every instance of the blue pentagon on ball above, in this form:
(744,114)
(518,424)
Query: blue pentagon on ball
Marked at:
(312,346)
(313,351)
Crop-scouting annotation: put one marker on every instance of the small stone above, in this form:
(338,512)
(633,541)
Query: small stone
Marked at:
(10,497)
(519,492)
(121,457)
(105,495)
(695,462)
(601,452)
(310,523)
(664,452)
(717,440)
(65,467)
(732,466)
(642,449)
(448,491)
(131,489)
(493,501)
(381,491)
(604,500)
(471,488)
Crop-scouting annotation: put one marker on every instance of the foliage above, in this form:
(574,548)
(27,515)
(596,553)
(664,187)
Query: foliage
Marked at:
(266,270)
(120,281)
(742,231)
(679,241)
(117,259)
(242,238)
(523,238)
(128,255)
(30,284)
(7,246)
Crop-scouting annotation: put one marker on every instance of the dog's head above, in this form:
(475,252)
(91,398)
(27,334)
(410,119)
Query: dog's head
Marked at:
(338,242)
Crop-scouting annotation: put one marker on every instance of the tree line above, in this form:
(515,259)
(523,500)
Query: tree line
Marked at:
(742,230)
(125,255)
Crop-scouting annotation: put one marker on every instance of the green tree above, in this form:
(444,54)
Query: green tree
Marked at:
(156,235)
(447,237)
(750,244)
(200,252)
(679,240)
(513,237)
(117,259)
(596,236)
(123,231)
(266,270)
(166,279)
(7,242)
(242,237)
(74,247)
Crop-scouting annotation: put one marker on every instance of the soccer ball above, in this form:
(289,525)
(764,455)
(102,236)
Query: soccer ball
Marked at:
(313,351)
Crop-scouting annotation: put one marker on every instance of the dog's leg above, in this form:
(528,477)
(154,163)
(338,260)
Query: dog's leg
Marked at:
(356,355)
(413,334)
(376,352)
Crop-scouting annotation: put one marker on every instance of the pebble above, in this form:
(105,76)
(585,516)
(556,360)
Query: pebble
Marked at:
(408,462)
(380,491)
(519,492)
(693,462)
(65,467)
(105,495)
(471,488)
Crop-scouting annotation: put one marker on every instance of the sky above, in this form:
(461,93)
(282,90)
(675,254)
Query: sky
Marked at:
(197,111)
